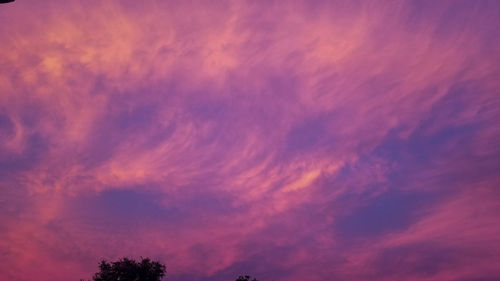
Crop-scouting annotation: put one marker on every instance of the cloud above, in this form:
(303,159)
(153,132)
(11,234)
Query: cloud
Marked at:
(304,140)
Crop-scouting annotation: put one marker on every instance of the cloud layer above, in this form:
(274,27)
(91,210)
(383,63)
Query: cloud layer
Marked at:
(296,140)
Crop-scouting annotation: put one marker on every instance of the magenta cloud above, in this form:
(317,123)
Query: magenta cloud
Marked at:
(290,140)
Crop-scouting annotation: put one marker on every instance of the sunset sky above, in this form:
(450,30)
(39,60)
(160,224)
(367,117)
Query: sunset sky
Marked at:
(287,140)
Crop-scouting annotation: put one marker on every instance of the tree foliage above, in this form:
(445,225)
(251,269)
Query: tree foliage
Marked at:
(127,269)
(130,270)
(245,278)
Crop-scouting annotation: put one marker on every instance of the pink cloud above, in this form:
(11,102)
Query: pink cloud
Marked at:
(251,131)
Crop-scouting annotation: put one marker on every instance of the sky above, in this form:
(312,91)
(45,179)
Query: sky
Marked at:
(287,140)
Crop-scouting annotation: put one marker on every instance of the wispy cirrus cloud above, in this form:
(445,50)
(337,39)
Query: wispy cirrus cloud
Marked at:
(305,140)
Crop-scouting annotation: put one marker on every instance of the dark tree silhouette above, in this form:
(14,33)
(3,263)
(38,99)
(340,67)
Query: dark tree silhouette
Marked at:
(245,278)
(6,1)
(129,270)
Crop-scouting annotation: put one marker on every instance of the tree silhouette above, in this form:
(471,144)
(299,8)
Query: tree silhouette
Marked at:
(130,270)
(245,278)
(127,269)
